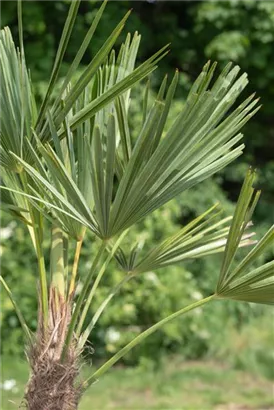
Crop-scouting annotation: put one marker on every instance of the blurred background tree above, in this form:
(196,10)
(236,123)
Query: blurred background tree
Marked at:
(237,31)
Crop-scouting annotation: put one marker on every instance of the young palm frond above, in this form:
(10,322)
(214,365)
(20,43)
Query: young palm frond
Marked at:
(74,163)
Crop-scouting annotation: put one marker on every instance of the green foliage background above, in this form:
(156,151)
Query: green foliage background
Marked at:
(238,31)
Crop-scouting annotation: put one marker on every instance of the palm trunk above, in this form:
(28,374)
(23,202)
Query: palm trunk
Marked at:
(54,383)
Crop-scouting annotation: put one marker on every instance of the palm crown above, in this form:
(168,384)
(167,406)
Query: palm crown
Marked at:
(73,161)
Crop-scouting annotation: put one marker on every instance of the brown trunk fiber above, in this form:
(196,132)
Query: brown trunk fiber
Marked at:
(53,383)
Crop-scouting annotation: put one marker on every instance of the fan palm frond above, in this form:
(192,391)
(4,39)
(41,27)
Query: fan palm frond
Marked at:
(241,282)
(202,236)
(201,141)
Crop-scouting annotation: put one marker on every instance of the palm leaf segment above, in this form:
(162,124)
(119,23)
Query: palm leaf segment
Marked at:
(203,236)
(244,282)
(18,109)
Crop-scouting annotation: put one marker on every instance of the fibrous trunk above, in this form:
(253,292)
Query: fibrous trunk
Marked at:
(53,384)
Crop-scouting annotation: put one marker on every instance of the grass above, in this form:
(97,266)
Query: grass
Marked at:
(176,386)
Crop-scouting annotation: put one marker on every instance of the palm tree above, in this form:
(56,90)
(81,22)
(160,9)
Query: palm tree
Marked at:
(71,164)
